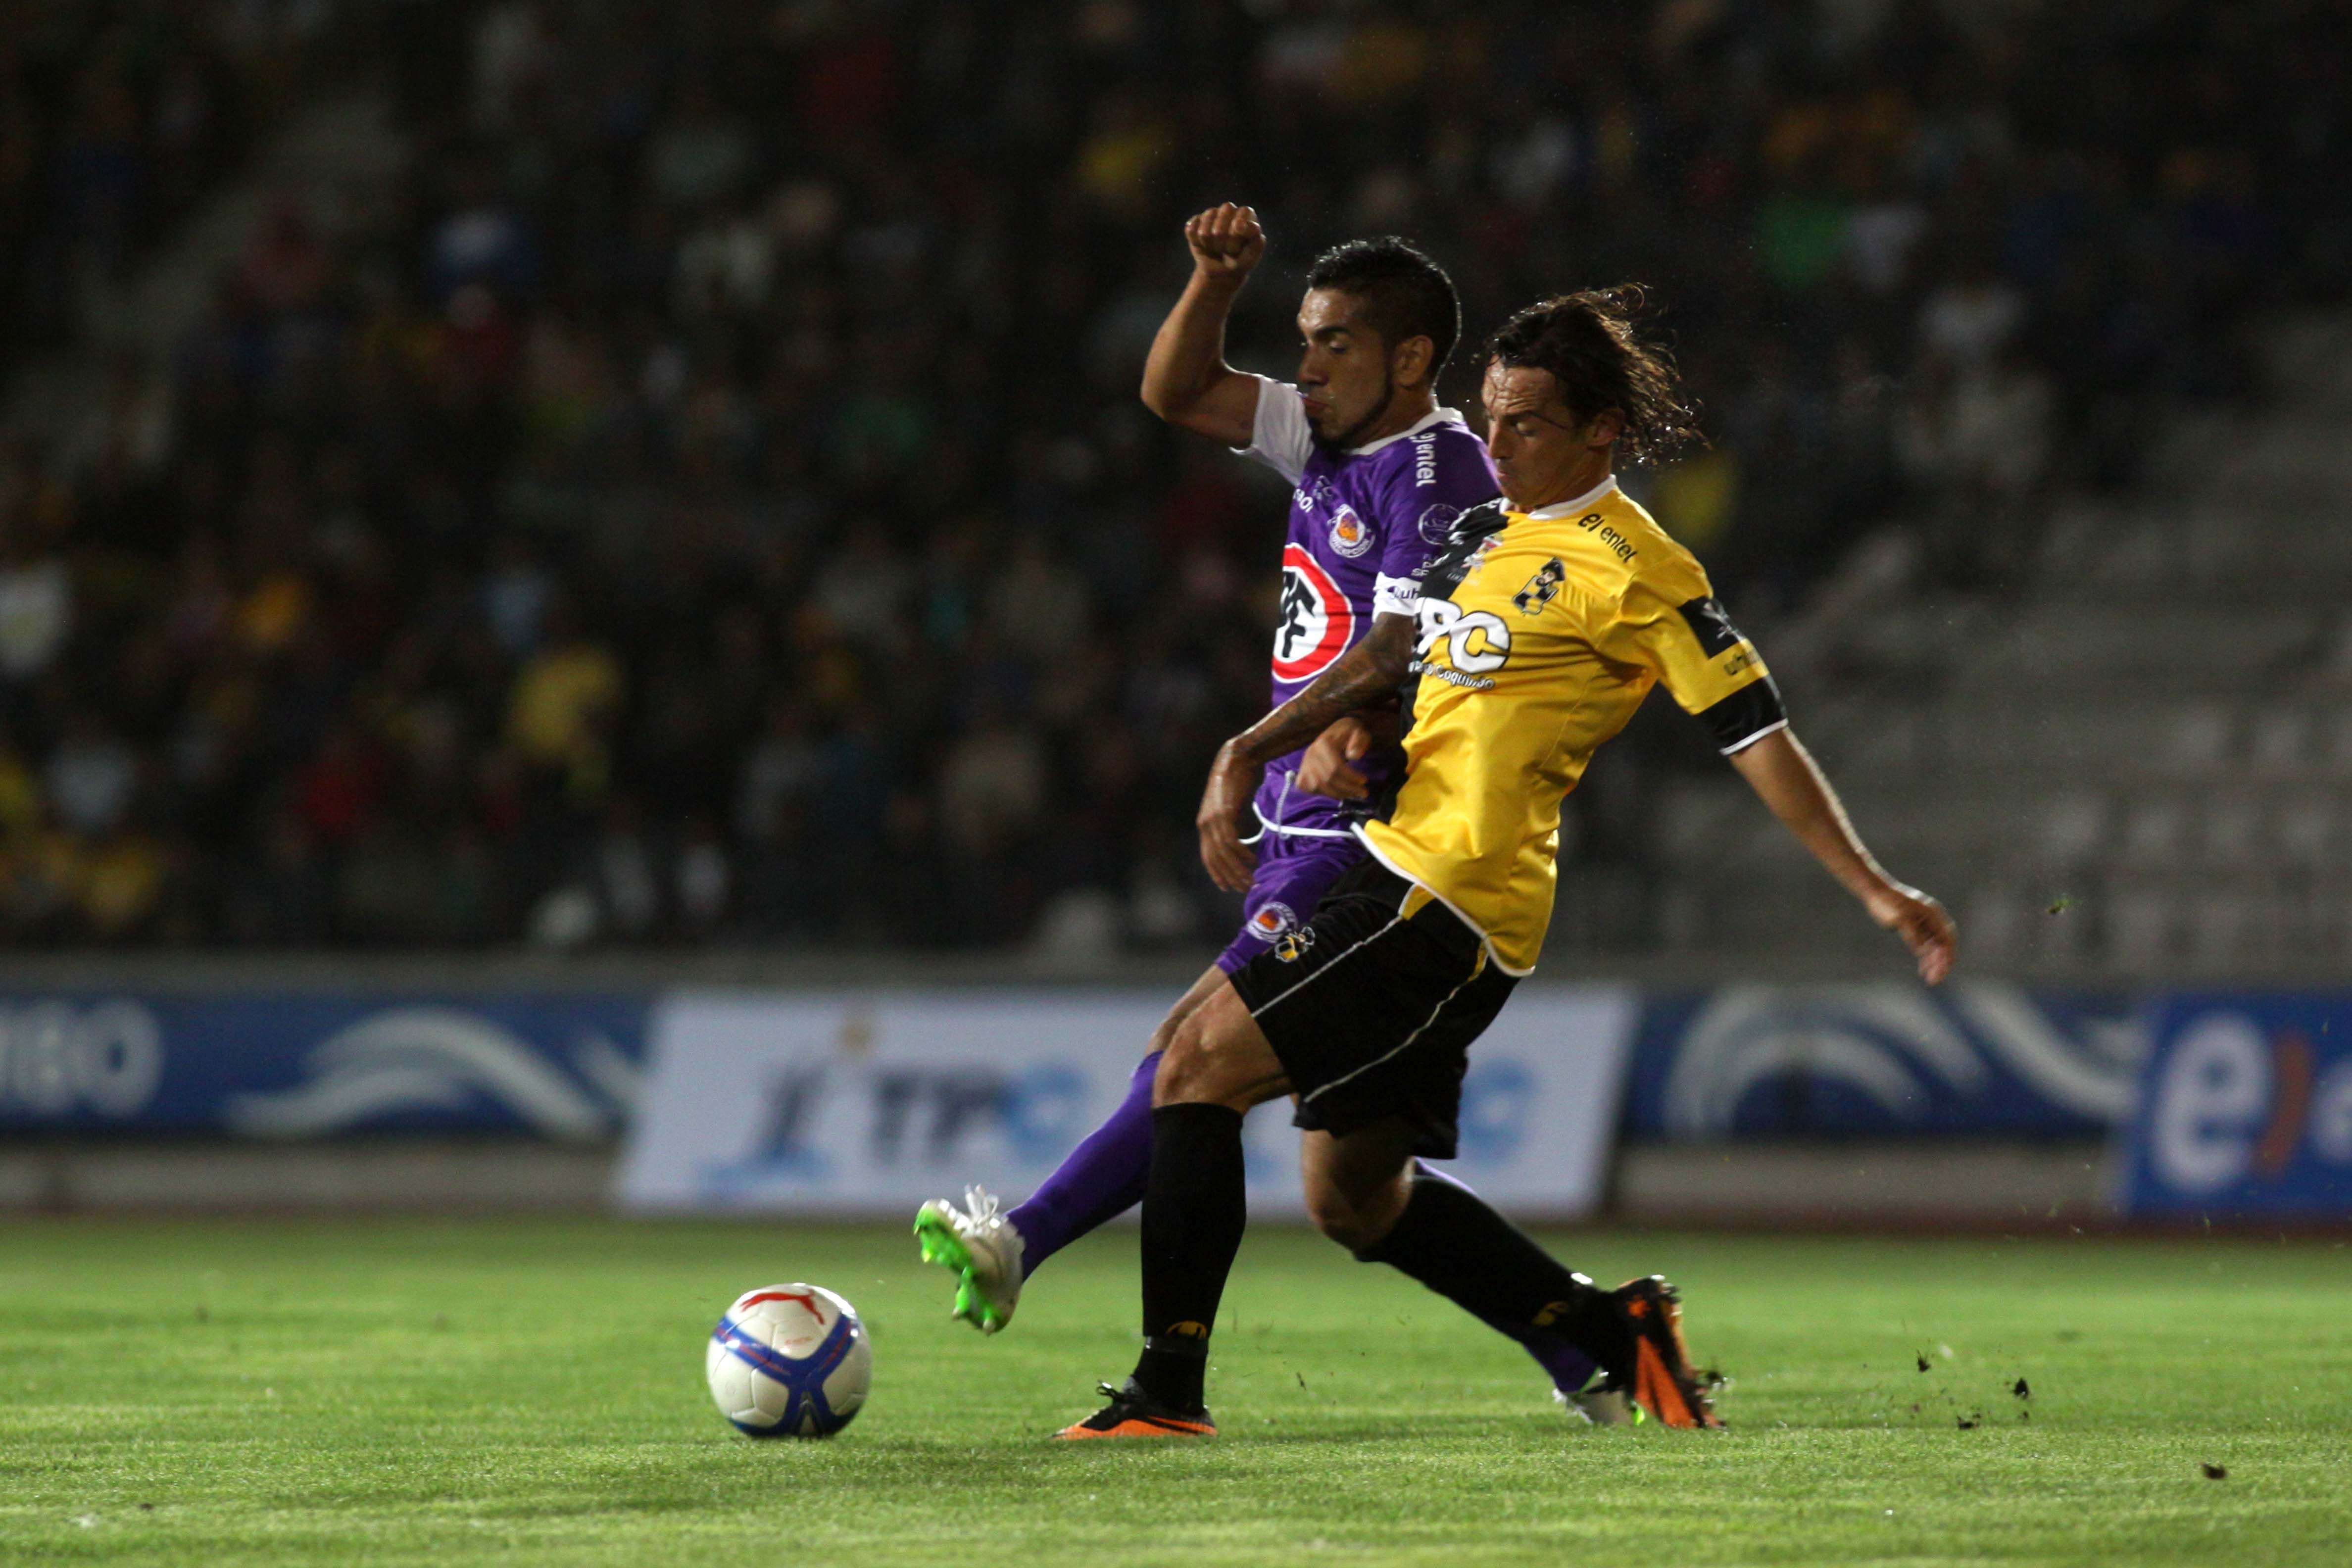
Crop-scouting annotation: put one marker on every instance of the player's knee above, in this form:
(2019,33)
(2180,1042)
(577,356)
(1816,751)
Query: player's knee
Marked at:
(1165,1034)
(1358,1217)
(1342,1220)
(1217,1057)
(1191,1066)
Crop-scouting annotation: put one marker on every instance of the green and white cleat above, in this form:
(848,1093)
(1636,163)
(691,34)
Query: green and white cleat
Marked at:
(984,1249)
(1598,1405)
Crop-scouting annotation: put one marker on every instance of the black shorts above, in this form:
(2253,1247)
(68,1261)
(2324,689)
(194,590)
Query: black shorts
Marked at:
(1372,1011)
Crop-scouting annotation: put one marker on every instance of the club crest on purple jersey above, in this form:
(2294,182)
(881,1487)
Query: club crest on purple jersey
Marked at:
(1437,521)
(1350,535)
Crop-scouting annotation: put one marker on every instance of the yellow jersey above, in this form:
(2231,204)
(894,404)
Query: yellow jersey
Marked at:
(1540,634)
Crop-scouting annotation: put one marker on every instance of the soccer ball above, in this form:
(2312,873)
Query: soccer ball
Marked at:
(789,1361)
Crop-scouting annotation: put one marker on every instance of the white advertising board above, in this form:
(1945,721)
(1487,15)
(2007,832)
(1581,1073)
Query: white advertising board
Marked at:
(864,1104)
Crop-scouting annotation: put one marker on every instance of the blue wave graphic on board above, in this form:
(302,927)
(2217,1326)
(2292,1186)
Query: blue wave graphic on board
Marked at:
(440,1059)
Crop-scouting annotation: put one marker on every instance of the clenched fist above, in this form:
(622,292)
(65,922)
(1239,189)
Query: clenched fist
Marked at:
(1226,242)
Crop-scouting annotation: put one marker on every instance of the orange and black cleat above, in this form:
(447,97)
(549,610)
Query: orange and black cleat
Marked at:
(1665,1383)
(1131,1413)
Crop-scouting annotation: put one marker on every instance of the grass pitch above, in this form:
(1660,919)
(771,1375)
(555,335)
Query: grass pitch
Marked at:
(453,1392)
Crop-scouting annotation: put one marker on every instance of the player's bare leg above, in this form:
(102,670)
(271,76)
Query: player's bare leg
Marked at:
(1357,1186)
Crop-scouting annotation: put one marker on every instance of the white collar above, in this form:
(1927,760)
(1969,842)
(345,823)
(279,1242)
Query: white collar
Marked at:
(1435,416)
(1562,507)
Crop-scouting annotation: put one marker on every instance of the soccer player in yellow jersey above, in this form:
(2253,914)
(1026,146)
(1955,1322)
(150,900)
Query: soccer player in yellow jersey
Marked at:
(1536,635)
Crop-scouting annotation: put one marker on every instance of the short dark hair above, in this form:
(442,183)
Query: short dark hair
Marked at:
(1590,343)
(1405,294)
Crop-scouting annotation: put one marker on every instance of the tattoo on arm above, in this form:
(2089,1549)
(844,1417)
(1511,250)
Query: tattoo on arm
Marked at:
(1365,676)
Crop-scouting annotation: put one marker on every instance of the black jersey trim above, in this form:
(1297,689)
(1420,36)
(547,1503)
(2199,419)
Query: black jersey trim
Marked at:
(1768,730)
(1486,518)
(1745,716)
(1471,530)
(1710,624)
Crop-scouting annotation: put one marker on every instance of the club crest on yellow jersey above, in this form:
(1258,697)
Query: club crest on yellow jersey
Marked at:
(1540,587)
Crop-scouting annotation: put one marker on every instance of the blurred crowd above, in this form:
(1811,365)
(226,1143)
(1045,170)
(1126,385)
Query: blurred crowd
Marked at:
(704,496)
(116,120)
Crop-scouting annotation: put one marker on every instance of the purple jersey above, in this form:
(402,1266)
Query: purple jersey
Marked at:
(1365,523)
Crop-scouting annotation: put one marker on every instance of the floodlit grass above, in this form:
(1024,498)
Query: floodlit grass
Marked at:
(453,1393)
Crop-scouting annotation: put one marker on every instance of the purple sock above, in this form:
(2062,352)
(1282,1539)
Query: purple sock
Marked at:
(1569,1368)
(1102,1178)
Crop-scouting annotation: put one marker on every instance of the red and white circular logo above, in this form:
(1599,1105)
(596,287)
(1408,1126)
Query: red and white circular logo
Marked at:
(1314,623)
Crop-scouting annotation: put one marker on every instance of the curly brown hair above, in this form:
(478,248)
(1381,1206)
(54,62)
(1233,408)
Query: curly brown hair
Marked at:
(1590,343)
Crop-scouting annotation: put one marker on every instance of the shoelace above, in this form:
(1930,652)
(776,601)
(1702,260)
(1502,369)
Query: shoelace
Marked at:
(982,1207)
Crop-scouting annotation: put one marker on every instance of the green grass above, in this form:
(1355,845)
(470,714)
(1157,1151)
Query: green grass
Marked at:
(453,1392)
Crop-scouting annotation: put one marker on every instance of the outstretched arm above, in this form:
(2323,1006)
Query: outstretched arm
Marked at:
(1364,677)
(1186,380)
(1783,773)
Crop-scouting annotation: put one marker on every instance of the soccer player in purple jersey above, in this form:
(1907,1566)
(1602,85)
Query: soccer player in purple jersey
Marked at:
(1379,475)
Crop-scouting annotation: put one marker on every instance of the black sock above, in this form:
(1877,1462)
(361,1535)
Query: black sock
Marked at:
(1194,1207)
(1452,1242)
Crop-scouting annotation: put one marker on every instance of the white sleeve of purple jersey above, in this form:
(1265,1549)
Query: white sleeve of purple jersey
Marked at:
(1395,596)
(1280,437)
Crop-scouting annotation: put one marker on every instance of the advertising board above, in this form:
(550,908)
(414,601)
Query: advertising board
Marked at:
(2245,1109)
(287,1064)
(1973,1058)
(869,1103)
